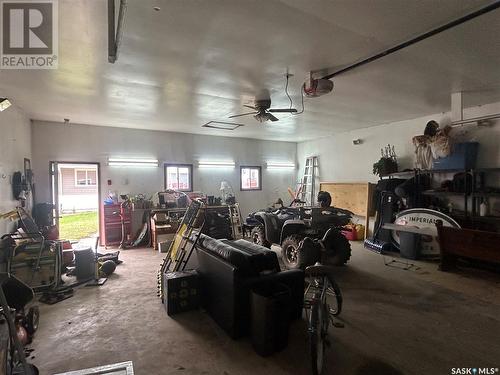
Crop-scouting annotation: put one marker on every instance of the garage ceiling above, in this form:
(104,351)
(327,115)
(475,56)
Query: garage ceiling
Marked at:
(196,61)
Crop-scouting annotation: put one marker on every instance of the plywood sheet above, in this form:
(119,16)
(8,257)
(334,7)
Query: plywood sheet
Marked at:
(356,197)
(350,196)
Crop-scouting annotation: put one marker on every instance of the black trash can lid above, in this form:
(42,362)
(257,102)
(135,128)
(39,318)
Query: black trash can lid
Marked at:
(272,290)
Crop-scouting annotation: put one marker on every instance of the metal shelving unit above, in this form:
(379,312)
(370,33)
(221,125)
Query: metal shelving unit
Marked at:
(476,194)
(471,200)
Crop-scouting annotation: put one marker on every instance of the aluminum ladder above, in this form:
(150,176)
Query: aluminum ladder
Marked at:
(184,242)
(236,222)
(308,183)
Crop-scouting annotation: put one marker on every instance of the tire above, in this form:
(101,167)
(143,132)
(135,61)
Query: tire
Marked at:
(292,257)
(32,320)
(107,267)
(335,294)
(338,250)
(258,235)
(317,343)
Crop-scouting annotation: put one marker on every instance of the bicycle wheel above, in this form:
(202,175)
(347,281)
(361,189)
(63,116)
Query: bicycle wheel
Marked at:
(317,335)
(333,291)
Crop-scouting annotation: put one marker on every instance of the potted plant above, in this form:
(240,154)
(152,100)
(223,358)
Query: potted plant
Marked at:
(387,164)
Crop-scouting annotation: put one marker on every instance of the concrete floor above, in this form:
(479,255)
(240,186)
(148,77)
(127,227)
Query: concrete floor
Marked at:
(396,322)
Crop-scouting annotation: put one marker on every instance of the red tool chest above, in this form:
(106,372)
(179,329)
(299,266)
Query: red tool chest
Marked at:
(111,224)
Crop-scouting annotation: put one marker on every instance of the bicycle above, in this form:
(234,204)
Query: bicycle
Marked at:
(319,311)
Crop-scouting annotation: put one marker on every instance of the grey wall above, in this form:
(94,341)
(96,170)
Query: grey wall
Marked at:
(72,142)
(341,161)
(15,145)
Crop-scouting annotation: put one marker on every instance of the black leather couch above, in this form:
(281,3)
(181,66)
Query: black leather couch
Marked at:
(229,270)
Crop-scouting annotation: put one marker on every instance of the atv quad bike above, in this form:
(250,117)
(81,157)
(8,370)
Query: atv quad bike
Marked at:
(288,226)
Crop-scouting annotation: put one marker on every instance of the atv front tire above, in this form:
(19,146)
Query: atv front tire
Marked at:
(32,320)
(258,235)
(293,258)
(338,250)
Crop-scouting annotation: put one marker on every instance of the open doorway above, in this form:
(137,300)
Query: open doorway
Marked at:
(75,195)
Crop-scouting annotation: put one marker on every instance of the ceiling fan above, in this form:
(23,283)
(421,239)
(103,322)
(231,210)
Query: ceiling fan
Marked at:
(263,112)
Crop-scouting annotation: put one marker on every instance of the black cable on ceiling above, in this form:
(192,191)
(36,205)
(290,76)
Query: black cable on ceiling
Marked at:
(290,99)
(286,90)
(486,9)
(302,97)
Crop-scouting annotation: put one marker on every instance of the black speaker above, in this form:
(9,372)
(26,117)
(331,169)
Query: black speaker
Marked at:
(181,291)
(388,202)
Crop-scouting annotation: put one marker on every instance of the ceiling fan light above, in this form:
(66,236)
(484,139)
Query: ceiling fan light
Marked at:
(261,117)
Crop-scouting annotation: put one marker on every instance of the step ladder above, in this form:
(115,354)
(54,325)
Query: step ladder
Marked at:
(184,242)
(307,191)
(236,223)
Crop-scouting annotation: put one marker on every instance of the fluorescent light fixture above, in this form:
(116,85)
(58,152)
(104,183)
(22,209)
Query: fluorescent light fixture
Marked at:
(280,165)
(215,164)
(4,104)
(117,162)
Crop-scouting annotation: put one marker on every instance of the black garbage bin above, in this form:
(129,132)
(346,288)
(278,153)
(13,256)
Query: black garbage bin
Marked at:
(84,263)
(271,316)
(409,245)
(17,293)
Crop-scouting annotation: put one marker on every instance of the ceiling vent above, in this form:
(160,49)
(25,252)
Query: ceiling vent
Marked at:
(221,125)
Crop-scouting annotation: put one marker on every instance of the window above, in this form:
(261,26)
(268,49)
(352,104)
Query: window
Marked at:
(250,178)
(179,177)
(85,177)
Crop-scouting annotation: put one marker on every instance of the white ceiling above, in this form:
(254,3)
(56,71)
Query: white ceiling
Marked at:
(199,60)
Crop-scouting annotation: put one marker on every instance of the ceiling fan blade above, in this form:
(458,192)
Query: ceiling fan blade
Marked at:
(284,110)
(249,106)
(272,117)
(243,114)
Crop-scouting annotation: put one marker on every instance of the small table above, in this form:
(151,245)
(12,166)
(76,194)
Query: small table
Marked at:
(175,215)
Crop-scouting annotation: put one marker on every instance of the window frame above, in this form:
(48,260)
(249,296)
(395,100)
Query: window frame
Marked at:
(87,179)
(259,168)
(189,166)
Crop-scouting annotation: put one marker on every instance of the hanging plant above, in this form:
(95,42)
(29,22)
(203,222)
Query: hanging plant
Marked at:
(387,164)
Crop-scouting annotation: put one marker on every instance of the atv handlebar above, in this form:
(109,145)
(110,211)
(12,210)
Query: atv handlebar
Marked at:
(296,200)
(319,241)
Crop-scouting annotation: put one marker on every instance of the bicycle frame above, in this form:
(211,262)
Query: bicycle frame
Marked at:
(318,285)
